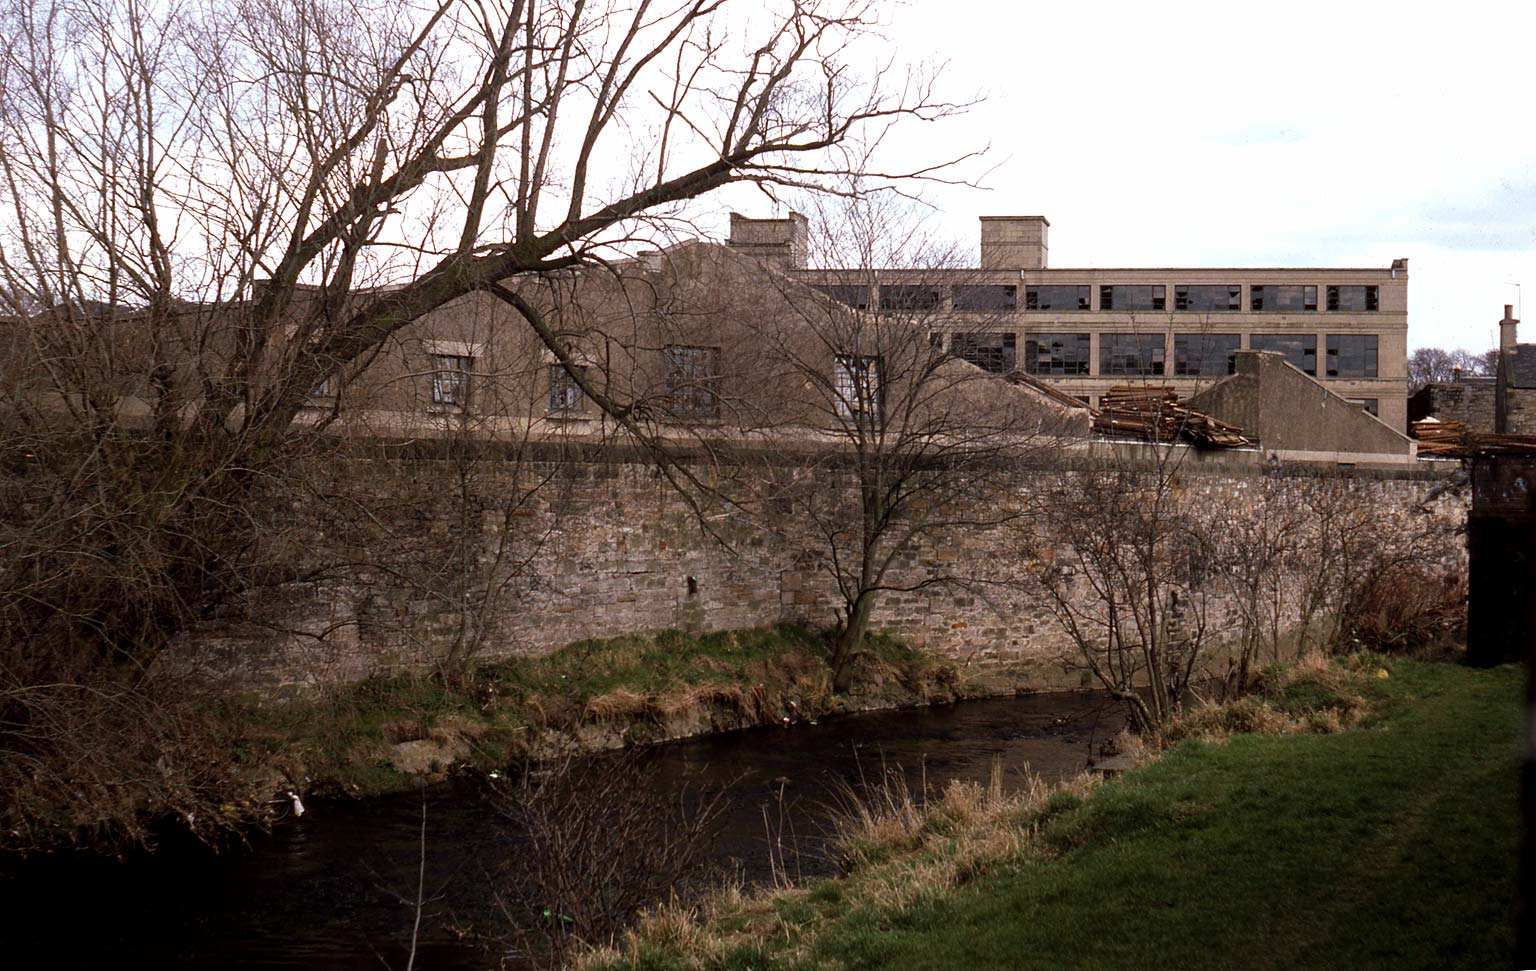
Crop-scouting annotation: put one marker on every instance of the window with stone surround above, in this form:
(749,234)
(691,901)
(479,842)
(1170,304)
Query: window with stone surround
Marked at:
(565,397)
(1059,298)
(1352,299)
(856,297)
(1207,297)
(1352,355)
(1300,350)
(693,381)
(984,296)
(991,352)
(909,296)
(1056,354)
(1132,297)
(450,379)
(1282,299)
(857,387)
(1205,355)
(1132,354)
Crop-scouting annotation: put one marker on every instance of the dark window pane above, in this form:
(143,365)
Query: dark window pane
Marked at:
(1204,355)
(985,296)
(990,352)
(1371,405)
(1141,354)
(693,381)
(894,296)
(450,380)
(852,296)
(1351,355)
(1056,353)
(1352,299)
(1208,297)
(1132,298)
(1300,350)
(1056,298)
(857,387)
(1283,299)
(564,394)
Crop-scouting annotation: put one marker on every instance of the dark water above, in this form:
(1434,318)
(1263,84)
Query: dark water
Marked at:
(329,890)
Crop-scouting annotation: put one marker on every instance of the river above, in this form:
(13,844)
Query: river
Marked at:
(328,890)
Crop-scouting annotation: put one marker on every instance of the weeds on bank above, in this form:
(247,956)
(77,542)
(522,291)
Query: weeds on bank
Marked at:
(899,846)
(1315,694)
(635,689)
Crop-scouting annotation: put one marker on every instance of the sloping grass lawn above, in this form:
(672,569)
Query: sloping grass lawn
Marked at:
(1389,846)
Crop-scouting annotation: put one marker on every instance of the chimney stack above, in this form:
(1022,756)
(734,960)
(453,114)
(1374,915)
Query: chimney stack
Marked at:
(781,241)
(1507,340)
(1014,242)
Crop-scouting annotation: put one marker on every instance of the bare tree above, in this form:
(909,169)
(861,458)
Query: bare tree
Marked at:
(1433,365)
(214,210)
(894,444)
(600,843)
(1257,549)
(1130,585)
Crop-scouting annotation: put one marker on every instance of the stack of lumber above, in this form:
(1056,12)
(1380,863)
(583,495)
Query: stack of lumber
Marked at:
(1453,439)
(1501,443)
(1435,437)
(1154,414)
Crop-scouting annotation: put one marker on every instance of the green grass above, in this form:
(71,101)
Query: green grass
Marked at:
(651,663)
(1390,846)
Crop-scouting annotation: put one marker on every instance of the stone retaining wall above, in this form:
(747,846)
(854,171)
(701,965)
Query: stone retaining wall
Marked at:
(598,549)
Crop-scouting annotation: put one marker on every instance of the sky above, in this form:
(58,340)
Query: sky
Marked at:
(1345,133)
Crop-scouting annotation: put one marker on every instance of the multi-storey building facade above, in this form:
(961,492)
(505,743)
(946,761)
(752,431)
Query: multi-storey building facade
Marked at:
(1088,330)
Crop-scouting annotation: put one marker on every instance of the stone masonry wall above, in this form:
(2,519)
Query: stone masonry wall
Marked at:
(609,548)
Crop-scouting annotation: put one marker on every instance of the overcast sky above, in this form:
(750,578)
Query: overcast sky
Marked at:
(1343,133)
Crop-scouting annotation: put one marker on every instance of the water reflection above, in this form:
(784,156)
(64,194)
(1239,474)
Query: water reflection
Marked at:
(335,889)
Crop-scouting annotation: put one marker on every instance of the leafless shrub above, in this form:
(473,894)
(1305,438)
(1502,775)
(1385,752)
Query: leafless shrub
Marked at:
(600,845)
(1413,608)
(120,758)
(1131,583)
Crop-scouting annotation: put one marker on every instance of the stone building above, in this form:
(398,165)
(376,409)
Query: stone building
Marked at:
(1468,399)
(700,343)
(1515,398)
(1088,330)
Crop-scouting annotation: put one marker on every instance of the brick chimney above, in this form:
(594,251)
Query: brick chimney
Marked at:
(781,241)
(1507,328)
(1014,242)
(1507,341)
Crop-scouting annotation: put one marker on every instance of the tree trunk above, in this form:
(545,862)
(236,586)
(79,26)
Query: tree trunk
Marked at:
(849,642)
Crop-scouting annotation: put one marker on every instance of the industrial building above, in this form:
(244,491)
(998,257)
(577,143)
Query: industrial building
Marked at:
(1088,330)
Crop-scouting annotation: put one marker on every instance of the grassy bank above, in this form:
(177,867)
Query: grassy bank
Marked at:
(384,734)
(1388,845)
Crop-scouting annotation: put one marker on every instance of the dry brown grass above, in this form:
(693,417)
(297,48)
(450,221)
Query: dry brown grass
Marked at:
(1316,694)
(899,846)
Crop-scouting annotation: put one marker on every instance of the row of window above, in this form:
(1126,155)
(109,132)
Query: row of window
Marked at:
(1194,355)
(692,380)
(691,374)
(1193,298)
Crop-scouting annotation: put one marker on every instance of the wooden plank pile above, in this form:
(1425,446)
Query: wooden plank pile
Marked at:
(1453,439)
(1154,414)
(1501,443)
(1444,438)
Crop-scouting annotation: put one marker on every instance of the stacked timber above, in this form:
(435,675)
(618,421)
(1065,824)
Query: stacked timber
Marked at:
(1154,414)
(1443,438)
(1501,443)
(1453,439)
